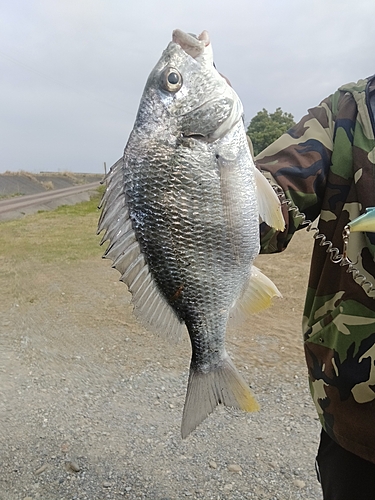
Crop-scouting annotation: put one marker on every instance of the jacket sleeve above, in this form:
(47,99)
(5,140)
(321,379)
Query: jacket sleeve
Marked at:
(298,163)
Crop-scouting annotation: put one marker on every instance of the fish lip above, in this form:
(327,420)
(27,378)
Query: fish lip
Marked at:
(191,44)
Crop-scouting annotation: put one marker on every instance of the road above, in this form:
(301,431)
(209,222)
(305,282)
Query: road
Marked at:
(18,206)
(19,202)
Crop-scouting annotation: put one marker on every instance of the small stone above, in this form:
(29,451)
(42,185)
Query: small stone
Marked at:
(213,465)
(106,485)
(65,447)
(72,466)
(28,498)
(41,469)
(234,468)
(299,483)
(228,487)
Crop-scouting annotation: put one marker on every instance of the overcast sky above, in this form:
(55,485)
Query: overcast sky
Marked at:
(72,71)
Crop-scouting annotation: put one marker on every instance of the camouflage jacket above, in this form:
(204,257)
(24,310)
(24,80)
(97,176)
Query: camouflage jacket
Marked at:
(325,166)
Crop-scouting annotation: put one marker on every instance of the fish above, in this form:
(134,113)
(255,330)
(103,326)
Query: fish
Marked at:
(181,213)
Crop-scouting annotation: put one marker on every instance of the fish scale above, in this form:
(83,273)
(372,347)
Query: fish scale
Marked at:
(166,237)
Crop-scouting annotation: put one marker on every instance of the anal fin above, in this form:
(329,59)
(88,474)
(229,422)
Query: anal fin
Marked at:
(257,296)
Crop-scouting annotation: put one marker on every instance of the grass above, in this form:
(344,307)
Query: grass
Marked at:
(7,196)
(63,235)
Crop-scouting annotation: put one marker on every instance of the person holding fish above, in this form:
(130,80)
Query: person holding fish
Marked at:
(324,167)
(181,213)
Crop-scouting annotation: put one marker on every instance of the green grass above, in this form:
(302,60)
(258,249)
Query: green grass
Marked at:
(65,234)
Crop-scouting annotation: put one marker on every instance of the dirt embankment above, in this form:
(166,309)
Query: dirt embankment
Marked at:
(24,183)
(24,193)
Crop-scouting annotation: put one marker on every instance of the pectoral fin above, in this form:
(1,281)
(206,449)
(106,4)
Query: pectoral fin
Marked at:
(268,203)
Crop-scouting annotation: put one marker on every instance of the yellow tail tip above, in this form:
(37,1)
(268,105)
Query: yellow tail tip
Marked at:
(222,385)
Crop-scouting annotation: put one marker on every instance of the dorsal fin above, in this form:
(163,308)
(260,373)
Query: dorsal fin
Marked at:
(125,252)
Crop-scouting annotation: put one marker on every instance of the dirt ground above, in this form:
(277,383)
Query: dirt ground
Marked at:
(91,403)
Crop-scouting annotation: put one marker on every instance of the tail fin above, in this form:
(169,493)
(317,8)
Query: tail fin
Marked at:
(206,390)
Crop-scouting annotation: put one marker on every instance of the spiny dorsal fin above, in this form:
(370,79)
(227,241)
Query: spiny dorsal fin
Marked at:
(125,252)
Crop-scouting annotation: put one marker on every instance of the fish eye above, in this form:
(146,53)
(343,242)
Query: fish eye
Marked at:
(172,80)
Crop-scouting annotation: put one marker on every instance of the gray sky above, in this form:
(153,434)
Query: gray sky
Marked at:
(72,71)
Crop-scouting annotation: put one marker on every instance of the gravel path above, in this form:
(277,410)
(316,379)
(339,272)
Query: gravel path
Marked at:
(91,403)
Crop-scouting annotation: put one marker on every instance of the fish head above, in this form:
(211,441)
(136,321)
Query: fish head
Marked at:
(185,96)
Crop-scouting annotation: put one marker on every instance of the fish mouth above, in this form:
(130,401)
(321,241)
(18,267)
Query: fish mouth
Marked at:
(193,45)
(226,109)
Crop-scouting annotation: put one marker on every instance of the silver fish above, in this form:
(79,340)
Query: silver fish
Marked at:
(181,213)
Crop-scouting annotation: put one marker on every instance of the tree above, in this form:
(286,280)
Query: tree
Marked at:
(266,127)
